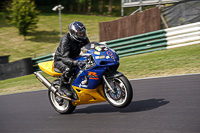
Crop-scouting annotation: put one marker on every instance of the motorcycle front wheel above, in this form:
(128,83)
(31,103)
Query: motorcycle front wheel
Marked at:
(62,106)
(123,92)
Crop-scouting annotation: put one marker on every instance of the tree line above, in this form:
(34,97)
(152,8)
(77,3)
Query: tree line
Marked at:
(94,7)
(23,14)
(102,7)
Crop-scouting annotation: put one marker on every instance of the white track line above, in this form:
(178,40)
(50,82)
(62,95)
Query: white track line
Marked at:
(166,76)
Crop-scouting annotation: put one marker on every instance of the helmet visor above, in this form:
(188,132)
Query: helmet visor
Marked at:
(81,34)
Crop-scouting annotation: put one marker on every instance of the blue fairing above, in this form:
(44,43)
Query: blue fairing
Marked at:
(103,58)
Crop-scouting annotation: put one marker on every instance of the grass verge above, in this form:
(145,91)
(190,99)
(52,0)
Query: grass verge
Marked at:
(45,39)
(184,60)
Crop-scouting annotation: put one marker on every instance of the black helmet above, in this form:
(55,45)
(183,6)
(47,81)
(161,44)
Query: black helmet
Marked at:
(77,31)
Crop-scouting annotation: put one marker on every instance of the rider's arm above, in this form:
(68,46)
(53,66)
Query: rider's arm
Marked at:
(87,40)
(65,52)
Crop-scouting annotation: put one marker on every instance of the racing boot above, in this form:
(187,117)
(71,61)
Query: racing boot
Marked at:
(65,82)
(64,90)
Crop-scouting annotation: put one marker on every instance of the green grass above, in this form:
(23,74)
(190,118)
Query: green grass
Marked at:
(183,60)
(45,39)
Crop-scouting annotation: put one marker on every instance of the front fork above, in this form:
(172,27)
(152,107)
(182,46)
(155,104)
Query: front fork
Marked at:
(108,85)
(112,75)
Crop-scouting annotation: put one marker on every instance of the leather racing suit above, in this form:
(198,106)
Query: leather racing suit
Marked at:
(67,50)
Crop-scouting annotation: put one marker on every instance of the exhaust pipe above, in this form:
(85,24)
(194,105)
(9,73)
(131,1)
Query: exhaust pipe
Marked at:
(46,82)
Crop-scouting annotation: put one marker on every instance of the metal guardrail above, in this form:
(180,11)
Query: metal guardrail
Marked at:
(163,39)
(37,60)
(139,43)
(134,3)
(140,3)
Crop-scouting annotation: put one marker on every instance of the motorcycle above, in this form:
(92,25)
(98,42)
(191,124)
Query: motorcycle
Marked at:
(97,81)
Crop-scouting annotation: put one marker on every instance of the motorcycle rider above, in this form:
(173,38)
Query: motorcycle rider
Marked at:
(68,49)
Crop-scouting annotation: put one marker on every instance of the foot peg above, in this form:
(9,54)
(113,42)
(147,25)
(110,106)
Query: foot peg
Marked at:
(64,97)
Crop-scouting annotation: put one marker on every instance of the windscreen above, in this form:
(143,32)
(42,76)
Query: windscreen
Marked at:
(96,46)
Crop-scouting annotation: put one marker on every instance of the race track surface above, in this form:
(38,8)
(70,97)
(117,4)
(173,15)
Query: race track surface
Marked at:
(160,105)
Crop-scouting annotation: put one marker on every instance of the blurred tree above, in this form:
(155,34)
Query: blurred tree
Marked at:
(72,5)
(101,6)
(110,6)
(23,15)
(89,5)
(84,6)
(80,4)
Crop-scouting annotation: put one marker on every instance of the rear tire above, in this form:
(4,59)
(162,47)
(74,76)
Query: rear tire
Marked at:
(123,95)
(66,108)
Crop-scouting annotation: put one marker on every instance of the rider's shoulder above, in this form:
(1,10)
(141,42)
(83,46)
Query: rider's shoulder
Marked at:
(65,39)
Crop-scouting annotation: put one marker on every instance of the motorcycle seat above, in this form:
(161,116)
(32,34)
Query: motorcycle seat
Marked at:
(57,70)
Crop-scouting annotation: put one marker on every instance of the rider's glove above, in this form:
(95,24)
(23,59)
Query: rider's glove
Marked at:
(81,63)
(66,73)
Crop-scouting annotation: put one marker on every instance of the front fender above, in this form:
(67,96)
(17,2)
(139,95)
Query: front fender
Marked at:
(114,75)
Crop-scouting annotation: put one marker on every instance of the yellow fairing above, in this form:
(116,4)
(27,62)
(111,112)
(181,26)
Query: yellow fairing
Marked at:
(48,68)
(87,96)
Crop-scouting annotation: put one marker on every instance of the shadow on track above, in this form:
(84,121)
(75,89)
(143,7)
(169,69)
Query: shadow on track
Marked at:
(135,106)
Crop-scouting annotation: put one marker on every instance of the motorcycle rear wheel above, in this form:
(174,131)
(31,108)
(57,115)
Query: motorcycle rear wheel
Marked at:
(66,107)
(123,95)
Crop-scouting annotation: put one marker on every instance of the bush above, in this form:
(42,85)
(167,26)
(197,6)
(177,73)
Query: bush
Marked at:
(23,15)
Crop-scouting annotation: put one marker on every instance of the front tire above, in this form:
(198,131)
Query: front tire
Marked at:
(66,107)
(123,95)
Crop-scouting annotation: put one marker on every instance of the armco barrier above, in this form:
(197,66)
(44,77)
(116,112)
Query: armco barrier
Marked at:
(139,43)
(183,35)
(4,59)
(16,69)
(148,42)
(163,39)
(37,60)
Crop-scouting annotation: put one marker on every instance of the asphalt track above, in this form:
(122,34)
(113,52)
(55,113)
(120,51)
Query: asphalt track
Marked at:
(160,105)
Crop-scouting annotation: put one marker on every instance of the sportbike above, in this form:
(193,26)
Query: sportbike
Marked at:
(97,81)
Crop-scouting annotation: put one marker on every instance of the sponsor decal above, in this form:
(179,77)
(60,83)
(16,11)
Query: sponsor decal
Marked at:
(93,75)
(109,53)
(113,58)
(98,48)
(97,53)
(107,57)
(100,57)
(92,45)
